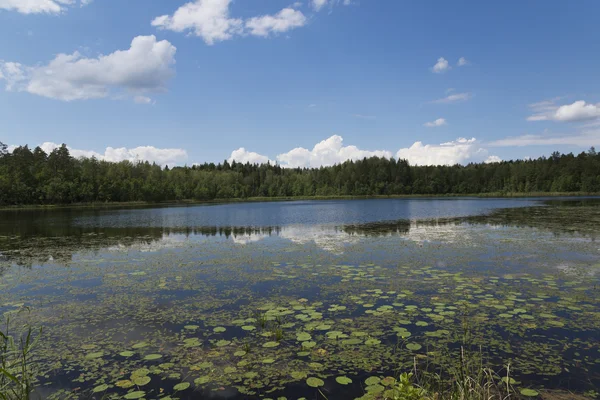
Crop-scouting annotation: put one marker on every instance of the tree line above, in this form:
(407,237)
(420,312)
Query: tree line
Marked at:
(35,177)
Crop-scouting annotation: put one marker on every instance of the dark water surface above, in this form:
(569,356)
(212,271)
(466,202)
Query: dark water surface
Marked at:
(251,300)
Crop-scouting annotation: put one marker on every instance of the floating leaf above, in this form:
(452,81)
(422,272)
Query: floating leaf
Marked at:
(134,395)
(343,380)
(529,393)
(151,357)
(314,382)
(181,386)
(100,388)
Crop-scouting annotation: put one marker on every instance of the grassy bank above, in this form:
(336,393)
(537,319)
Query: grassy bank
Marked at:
(190,202)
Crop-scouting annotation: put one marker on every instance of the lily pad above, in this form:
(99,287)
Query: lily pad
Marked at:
(315,382)
(181,386)
(530,393)
(343,380)
(135,395)
(100,388)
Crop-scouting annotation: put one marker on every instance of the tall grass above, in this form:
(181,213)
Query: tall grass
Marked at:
(16,362)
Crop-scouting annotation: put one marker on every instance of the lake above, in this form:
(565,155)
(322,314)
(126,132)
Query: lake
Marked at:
(304,299)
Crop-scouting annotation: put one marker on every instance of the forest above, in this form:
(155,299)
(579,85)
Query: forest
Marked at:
(32,177)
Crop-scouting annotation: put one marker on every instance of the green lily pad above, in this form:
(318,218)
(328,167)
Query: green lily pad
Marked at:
(529,393)
(126,353)
(181,386)
(100,388)
(372,380)
(271,344)
(314,382)
(151,357)
(141,380)
(298,375)
(303,336)
(413,346)
(93,356)
(135,395)
(202,380)
(219,329)
(343,380)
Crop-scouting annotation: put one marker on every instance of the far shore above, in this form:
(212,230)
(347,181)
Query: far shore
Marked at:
(191,202)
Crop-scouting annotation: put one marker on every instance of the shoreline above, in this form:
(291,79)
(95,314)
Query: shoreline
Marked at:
(190,202)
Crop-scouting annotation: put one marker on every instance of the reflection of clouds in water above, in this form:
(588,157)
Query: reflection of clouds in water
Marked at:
(329,238)
(445,233)
(248,238)
(167,241)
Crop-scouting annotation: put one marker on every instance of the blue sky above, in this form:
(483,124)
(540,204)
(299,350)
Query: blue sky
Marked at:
(257,80)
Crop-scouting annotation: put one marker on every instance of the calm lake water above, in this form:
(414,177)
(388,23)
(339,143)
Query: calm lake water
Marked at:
(251,300)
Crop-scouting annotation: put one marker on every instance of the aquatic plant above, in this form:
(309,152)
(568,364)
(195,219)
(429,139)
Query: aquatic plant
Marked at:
(16,363)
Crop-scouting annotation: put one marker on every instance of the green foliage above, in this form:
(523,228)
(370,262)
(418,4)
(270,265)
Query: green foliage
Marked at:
(404,389)
(34,177)
(16,376)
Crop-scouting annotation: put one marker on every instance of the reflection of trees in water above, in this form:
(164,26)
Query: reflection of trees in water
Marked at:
(27,240)
(573,217)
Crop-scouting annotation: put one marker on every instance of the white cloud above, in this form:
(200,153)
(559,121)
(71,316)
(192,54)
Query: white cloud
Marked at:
(462,62)
(208,19)
(317,5)
(332,151)
(39,6)
(548,110)
(142,100)
(493,159)
(436,123)
(457,152)
(585,138)
(283,21)
(453,98)
(243,156)
(578,111)
(327,152)
(441,66)
(145,67)
(211,20)
(142,153)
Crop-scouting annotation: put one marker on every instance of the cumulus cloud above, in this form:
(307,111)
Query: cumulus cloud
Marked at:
(283,21)
(441,65)
(40,6)
(436,123)
(145,67)
(450,153)
(332,151)
(208,19)
(211,20)
(462,62)
(327,152)
(453,98)
(244,156)
(493,159)
(141,153)
(548,110)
